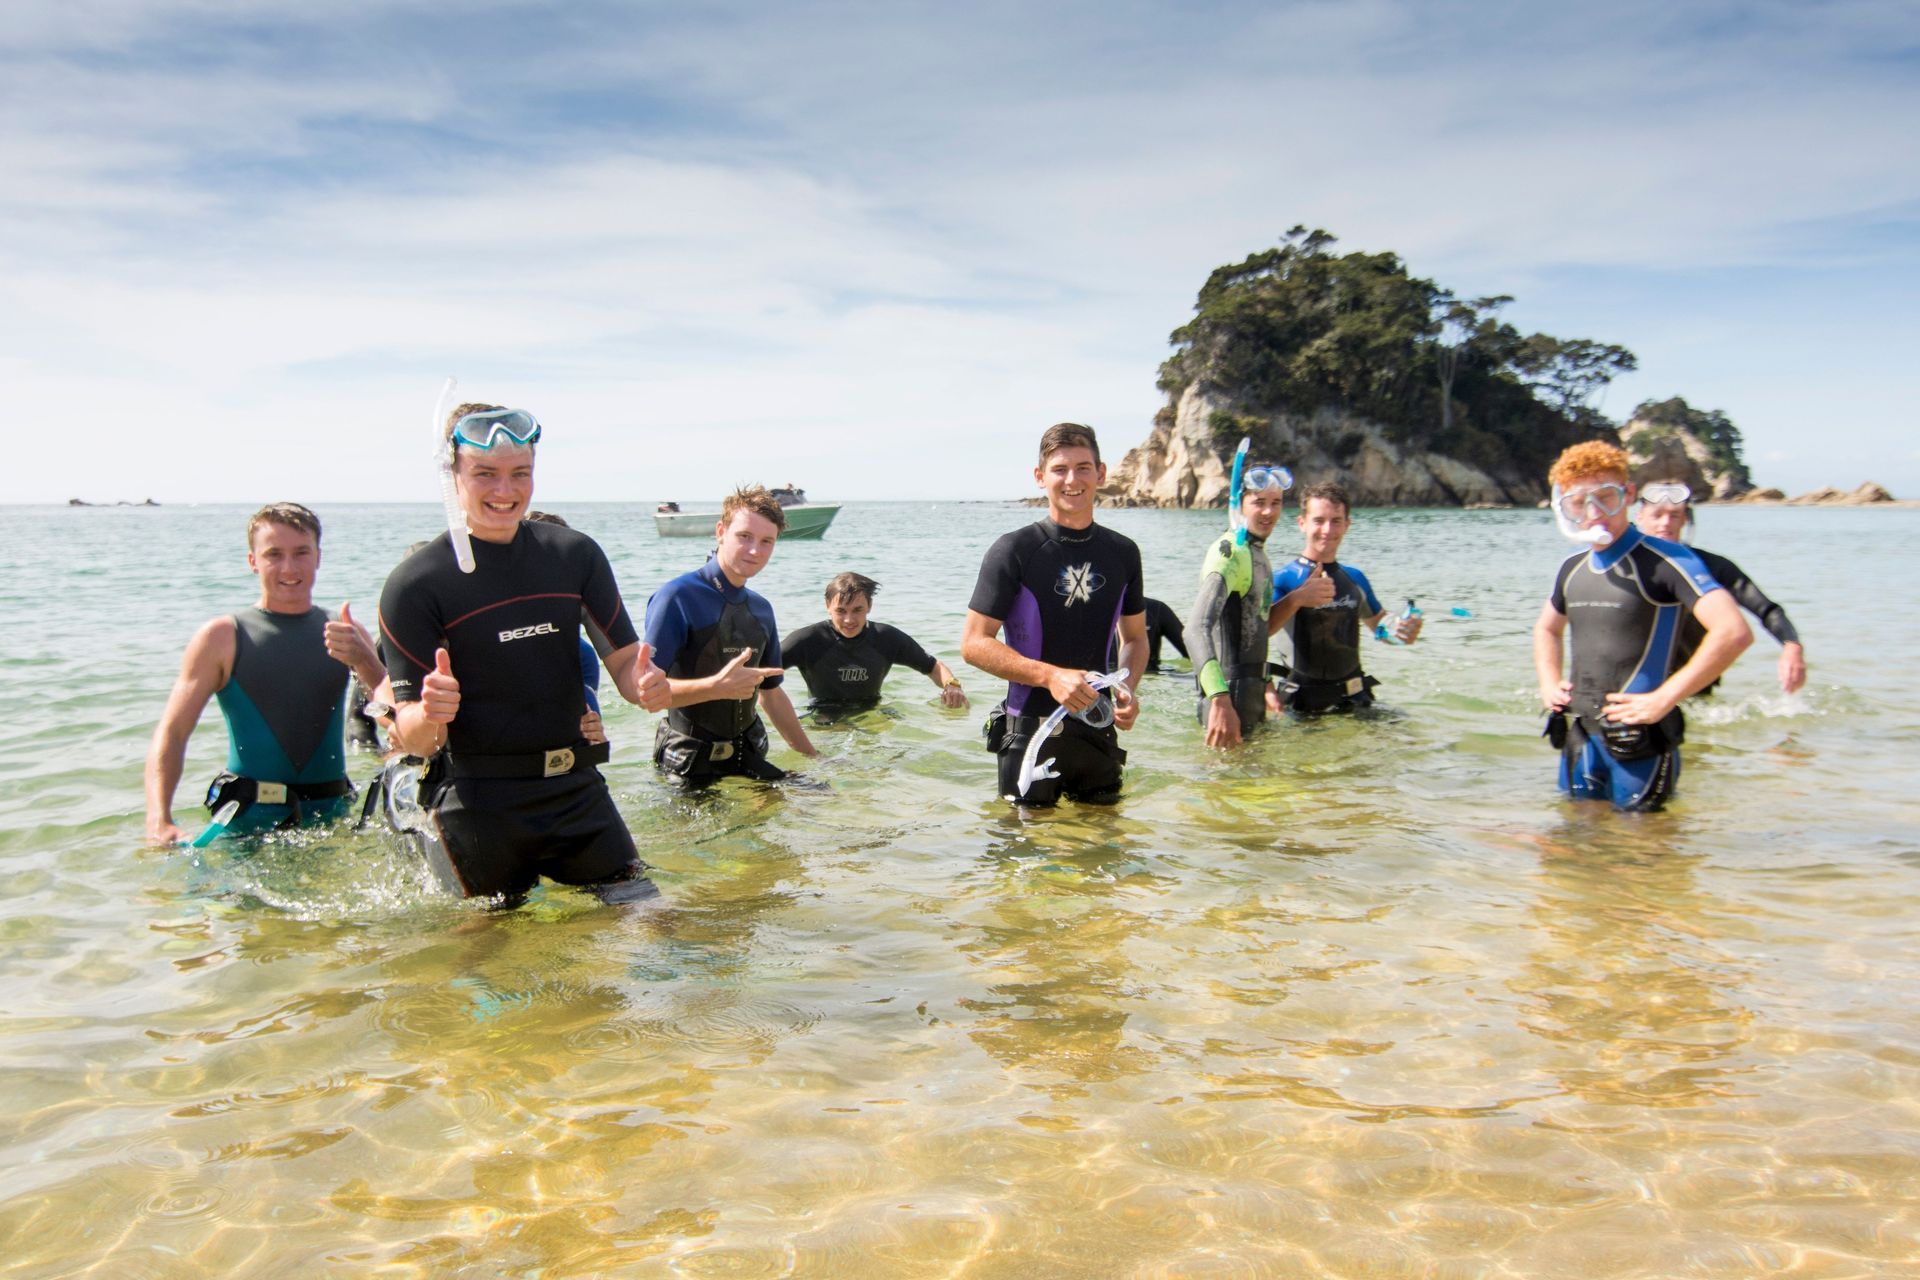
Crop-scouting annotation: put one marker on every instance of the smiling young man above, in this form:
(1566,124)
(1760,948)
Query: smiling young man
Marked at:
(1228,625)
(1326,607)
(280,672)
(1666,511)
(720,648)
(845,659)
(1617,718)
(486,677)
(1060,587)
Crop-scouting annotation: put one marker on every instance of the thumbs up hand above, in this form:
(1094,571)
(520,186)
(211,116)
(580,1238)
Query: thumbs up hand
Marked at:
(650,681)
(1316,591)
(350,644)
(439,691)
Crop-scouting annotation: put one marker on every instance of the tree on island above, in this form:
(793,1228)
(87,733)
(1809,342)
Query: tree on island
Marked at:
(1297,329)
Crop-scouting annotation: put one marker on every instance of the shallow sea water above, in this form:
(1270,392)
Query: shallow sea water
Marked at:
(1362,999)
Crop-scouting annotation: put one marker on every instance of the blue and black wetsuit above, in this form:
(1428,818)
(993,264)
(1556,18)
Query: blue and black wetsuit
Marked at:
(285,705)
(697,623)
(1624,604)
(1059,593)
(842,672)
(1326,640)
(516,794)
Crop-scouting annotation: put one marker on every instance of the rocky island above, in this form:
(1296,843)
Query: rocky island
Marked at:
(1344,367)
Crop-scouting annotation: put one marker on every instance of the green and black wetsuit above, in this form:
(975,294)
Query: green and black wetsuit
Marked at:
(1228,626)
(285,705)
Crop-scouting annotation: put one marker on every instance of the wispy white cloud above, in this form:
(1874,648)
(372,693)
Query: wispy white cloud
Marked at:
(850,232)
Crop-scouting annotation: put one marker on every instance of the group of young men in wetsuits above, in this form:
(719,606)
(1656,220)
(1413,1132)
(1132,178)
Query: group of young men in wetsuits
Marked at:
(479,679)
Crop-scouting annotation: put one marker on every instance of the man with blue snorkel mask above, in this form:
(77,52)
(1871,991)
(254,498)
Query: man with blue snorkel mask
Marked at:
(1617,719)
(485,669)
(1666,511)
(1228,625)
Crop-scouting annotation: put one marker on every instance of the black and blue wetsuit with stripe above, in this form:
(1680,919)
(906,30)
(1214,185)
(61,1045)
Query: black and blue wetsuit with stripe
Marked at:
(697,623)
(1624,605)
(1326,640)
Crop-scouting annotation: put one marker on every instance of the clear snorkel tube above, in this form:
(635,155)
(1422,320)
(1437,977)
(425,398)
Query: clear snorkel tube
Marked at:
(1597,536)
(1099,716)
(1237,522)
(449,499)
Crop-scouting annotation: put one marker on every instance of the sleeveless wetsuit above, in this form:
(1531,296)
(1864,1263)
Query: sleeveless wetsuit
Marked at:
(1229,627)
(285,705)
(515,795)
(1059,593)
(1326,640)
(1623,604)
(847,673)
(1751,598)
(696,624)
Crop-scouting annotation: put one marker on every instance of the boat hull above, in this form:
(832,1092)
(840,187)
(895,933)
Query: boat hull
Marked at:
(810,521)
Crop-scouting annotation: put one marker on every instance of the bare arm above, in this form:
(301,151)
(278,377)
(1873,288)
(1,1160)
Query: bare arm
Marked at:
(204,671)
(1549,631)
(350,643)
(779,709)
(420,728)
(982,647)
(637,679)
(950,691)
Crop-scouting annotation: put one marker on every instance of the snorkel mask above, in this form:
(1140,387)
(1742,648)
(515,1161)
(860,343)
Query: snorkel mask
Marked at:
(1570,509)
(508,428)
(1668,493)
(1260,479)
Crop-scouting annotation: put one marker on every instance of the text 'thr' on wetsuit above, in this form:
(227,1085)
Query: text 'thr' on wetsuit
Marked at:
(1059,593)
(1326,639)
(848,672)
(511,630)
(1750,597)
(1623,604)
(697,623)
(1229,626)
(285,706)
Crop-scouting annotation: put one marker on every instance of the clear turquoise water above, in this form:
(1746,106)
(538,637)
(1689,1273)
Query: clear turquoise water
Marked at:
(1360,1000)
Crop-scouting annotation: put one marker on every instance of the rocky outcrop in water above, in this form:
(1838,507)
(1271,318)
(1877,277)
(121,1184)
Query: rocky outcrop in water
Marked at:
(1186,460)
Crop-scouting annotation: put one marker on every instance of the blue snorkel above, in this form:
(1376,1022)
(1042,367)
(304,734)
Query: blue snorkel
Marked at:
(1236,522)
(449,496)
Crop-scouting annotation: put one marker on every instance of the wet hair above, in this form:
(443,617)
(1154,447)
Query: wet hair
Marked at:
(1068,435)
(845,586)
(545,517)
(290,514)
(1589,460)
(756,499)
(1326,491)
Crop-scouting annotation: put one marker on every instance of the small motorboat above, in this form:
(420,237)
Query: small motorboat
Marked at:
(804,519)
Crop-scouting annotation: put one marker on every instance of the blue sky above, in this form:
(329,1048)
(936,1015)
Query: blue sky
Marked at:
(877,248)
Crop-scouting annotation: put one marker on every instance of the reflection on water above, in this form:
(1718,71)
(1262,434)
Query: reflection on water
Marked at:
(1363,999)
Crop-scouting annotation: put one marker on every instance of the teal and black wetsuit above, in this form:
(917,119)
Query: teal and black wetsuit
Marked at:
(1326,640)
(1228,627)
(285,705)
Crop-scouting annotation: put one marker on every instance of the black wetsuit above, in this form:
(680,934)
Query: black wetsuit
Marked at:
(847,673)
(1163,623)
(1623,604)
(697,623)
(515,795)
(1326,640)
(1751,598)
(285,707)
(1059,593)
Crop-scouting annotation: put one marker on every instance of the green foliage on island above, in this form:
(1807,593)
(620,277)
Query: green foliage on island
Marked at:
(1710,426)
(1297,329)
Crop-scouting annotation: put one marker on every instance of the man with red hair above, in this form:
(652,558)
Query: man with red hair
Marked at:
(1617,718)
